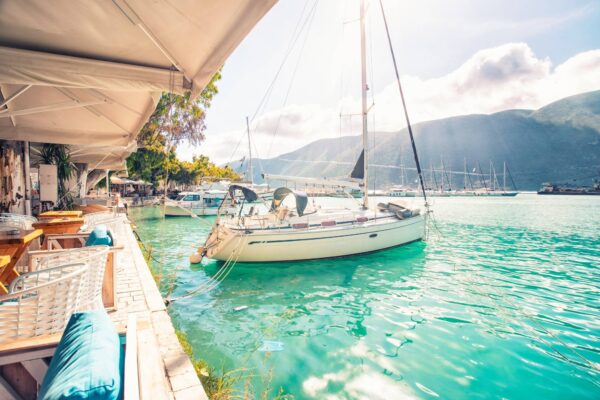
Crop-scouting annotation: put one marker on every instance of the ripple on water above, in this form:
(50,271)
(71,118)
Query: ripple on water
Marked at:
(504,304)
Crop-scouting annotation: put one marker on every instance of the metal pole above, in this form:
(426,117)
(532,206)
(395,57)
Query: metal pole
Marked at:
(504,177)
(250,171)
(482,176)
(465,175)
(492,186)
(27,173)
(107,184)
(363,63)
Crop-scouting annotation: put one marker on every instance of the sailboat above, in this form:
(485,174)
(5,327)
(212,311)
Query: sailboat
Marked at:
(302,232)
(401,190)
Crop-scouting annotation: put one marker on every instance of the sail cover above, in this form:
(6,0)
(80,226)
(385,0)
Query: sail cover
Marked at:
(249,194)
(359,168)
(281,193)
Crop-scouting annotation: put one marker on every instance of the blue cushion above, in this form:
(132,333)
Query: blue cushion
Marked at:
(99,236)
(86,364)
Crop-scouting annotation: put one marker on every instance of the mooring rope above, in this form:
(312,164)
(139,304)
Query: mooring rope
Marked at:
(219,277)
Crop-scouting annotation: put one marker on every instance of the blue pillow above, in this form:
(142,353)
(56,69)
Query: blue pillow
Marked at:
(86,364)
(99,236)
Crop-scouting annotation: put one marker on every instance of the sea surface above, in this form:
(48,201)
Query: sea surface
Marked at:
(502,301)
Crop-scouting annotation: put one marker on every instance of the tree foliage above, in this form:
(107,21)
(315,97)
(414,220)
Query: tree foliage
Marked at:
(176,120)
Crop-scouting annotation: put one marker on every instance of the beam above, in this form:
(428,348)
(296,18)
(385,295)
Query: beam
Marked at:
(79,137)
(28,67)
(37,369)
(65,105)
(7,392)
(15,95)
(137,21)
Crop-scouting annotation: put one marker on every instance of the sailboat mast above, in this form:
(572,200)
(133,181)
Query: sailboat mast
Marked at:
(465,174)
(504,178)
(492,185)
(402,172)
(363,63)
(250,171)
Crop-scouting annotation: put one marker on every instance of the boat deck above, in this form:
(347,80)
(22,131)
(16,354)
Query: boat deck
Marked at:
(173,375)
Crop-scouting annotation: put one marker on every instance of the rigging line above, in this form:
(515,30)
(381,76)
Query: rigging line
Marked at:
(410,132)
(258,158)
(511,178)
(294,38)
(235,149)
(288,52)
(342,65)
(295,70)
(371,88)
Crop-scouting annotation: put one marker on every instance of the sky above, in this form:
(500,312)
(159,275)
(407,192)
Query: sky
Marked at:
(297,74)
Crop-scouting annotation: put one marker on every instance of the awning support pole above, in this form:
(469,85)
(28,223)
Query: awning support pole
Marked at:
(15,95)
(27,174)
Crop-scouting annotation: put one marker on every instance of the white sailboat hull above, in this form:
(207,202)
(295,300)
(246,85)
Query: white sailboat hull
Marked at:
(181,211)
(295,244)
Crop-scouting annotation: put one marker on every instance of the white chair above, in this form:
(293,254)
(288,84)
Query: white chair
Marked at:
(45,266)
(17,221)
(44,309)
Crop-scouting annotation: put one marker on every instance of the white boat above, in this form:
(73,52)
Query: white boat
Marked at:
(400,191)
(189,204)
(293,233)
(297,233)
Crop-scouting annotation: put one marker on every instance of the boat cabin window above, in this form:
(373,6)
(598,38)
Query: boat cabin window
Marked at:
(191,197)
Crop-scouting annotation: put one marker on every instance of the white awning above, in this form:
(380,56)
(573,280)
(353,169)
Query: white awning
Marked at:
(89,73)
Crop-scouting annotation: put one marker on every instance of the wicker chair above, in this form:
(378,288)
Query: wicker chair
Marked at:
(43,309)
(17,220)
(45,266)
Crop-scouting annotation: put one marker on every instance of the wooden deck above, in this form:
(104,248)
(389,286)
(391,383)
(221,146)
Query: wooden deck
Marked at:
(170,375)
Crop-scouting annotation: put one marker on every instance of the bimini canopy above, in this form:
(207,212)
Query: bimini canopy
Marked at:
(90,73)
(281,193)
(249,194)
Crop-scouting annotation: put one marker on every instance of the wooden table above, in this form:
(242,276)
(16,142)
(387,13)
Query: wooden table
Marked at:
(60,214)
(58,226)
(14,246)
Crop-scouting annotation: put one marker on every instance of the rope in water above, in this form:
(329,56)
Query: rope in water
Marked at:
(219,277)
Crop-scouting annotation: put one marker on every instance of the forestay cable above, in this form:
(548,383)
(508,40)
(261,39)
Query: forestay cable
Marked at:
(410,132)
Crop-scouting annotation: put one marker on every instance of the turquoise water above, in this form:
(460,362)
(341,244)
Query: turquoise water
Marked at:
(504,302)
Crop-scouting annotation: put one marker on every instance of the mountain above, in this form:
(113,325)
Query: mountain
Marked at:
(556,143)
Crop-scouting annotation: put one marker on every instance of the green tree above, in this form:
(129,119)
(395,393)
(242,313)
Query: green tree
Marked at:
(176,119)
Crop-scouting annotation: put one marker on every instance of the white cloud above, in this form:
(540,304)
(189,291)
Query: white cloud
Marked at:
(495,79)
(505,77)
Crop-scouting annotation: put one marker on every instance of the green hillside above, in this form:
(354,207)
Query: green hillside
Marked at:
(559,142)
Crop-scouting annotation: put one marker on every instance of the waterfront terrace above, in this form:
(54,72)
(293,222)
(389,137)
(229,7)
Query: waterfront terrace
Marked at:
(88,75)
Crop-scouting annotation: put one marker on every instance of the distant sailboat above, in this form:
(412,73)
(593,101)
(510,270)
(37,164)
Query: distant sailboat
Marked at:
(301,233)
